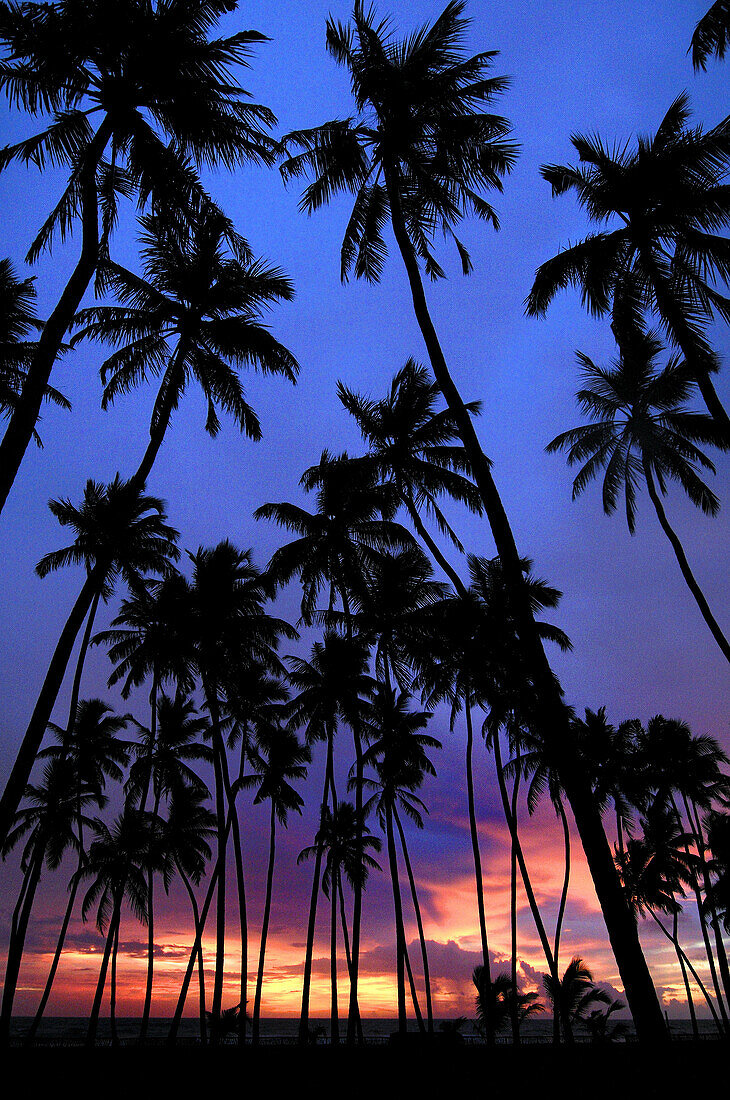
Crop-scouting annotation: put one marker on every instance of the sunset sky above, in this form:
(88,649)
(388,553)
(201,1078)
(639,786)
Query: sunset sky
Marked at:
(640,646)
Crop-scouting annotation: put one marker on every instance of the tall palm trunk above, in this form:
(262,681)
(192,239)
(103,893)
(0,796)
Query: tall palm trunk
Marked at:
(432,547)
(334,1018)
(476,855)
(419,921)
(197,951)
(25,414)
(683,970)
(303,1034)
(722,959)
(700,985)
(400,939)
(635,975)
(150,883)
(157,433)
(563,902)
(30,746)
(515,1016)
(17,939)
(681,557)
(96,1005)
(264,927)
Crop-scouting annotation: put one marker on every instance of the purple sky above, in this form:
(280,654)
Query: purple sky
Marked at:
(640,646)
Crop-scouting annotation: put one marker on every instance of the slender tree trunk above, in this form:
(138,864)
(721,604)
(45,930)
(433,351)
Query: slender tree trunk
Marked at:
(563,902)
(56,957)
(400,938)
(264,927)
(17,941)
(113,990)
(681,557)
(199,952)
(722,959)
(419,921)
(76,686)
(20,774)
(433,548)
(683,969)
(334,1019)
(412,987)
(303,1036)
(163,409)
(513,912)
(475,847)
(25,414)
(693,972)
(96,1006)
(635,975)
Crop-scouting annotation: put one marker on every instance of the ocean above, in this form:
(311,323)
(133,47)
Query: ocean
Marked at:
(71,1030)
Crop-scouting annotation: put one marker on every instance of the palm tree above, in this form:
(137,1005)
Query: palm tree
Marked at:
(135,99)
(17,319)
(230,630)
(574,995)
(669,196)
(331,687)
(278,759)
(397,755)
(641,428)
(419,154)
(117,862)
(186,831)
(55,807)
(162,757)
(711,34)
(194,314)
(414,447)
(498,999)
(344,841)
(120,534)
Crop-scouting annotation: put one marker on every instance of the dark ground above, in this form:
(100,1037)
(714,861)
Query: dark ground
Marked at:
(620,1072)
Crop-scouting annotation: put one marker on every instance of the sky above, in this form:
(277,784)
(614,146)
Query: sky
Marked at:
(640,646)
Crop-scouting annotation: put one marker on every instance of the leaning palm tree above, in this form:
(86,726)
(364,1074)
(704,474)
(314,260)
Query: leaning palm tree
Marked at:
(136,100)
(418,155)
(641,429)
(711,35)
(669,198)
(55,808)
(195,314)
(278,759)
(120,535)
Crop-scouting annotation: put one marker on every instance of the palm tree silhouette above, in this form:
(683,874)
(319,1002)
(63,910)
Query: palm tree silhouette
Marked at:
(642,429)
(161,93)
(414,446)
(344,842)
(186,831)
(711,34)
(397,754)
(17,320)
(120,534)
(117,861)
(93,749)
(278,759)
(194,314)
(669,196)
(498,999)
(418,154)
(574,995)
(331,687)
(55,807)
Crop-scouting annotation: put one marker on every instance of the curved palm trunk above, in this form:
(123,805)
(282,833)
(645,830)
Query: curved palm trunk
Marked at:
(264,927)
(515,1016)
(150,887)
(479,883)
(96,1006)
(681,557)
(693,972)
(637,981)
(56,958)
(17,941)
(40,718)
(25,414)
(722,958)
(113,991)
(419,921)
(563,902)
(334,1019)
(198,953)
(166,406)
(303,1034)
(684,564)
(511,824)
(433,548)
(400,938)
(683,970)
